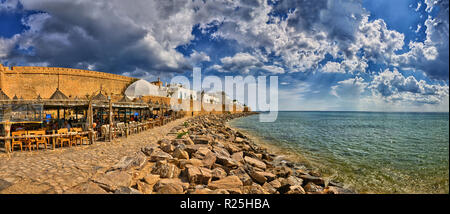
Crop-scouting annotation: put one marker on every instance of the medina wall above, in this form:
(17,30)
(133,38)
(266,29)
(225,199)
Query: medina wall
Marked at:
(29,82)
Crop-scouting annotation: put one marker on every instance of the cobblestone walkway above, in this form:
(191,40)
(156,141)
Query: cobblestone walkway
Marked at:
(54,171)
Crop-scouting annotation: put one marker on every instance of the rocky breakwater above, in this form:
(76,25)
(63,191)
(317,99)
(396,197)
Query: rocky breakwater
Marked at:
(203,156)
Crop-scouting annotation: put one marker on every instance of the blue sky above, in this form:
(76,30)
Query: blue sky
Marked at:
(328,55)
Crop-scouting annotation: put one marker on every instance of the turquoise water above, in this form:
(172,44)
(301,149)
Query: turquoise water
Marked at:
(369,152)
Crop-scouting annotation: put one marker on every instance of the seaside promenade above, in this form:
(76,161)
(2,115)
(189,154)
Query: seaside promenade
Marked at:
(56,171)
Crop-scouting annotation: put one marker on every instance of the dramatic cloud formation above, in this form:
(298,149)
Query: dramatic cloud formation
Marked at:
(344,48)
(394,87)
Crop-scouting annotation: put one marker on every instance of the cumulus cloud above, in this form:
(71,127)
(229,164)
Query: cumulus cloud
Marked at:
(350,88)
(198,57)
(430,56)
(240,63)
(392,86)
(142,35)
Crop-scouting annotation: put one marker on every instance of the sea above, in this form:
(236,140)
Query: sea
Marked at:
(370,152)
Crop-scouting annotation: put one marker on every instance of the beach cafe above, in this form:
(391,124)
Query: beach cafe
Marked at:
(60,121)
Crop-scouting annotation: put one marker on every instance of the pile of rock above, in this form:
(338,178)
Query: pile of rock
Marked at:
(203,156)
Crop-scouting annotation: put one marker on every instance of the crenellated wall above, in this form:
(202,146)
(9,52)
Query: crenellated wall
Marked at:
(29,82)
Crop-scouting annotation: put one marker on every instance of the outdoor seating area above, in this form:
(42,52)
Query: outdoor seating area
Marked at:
(59,121)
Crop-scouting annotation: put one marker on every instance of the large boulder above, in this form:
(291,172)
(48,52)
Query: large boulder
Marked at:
(242,175)
(158,155)
(282,171)
(88,187)
(255,162)
(199,175)
(209,159)
(238,156)
(180,154)
(254,189)
(167,147)
(296,190)
(191,162)
(147,150)
(110,181)
(201,139)
(269,188)
(287,183)
(169,186)
(228,183)
(218,173)
(151,179)
(126,190)
(127,162)
(192,149)
(221,151)
(261,176)
(166,170)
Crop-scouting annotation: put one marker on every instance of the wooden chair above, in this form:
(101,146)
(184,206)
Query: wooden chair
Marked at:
(61,140)
(17,141)
(38,139)
(79,137)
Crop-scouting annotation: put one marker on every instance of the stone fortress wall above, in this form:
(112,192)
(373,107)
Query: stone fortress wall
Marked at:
(29,82)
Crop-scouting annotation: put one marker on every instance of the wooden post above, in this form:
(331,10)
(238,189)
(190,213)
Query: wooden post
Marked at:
(54,141)
(90,120)
(110,119)
(7,128)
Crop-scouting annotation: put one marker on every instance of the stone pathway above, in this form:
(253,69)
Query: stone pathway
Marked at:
(54,171)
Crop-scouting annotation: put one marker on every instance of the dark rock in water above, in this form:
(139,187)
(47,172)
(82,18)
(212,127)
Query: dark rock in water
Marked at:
(314,179)
(313,188)
(338,190)
(126,190)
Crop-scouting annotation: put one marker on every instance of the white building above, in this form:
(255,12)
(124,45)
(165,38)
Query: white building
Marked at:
(181,92)
(210,98)
(142,88)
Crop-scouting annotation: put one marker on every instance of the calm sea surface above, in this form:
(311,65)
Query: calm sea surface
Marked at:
(369,152)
